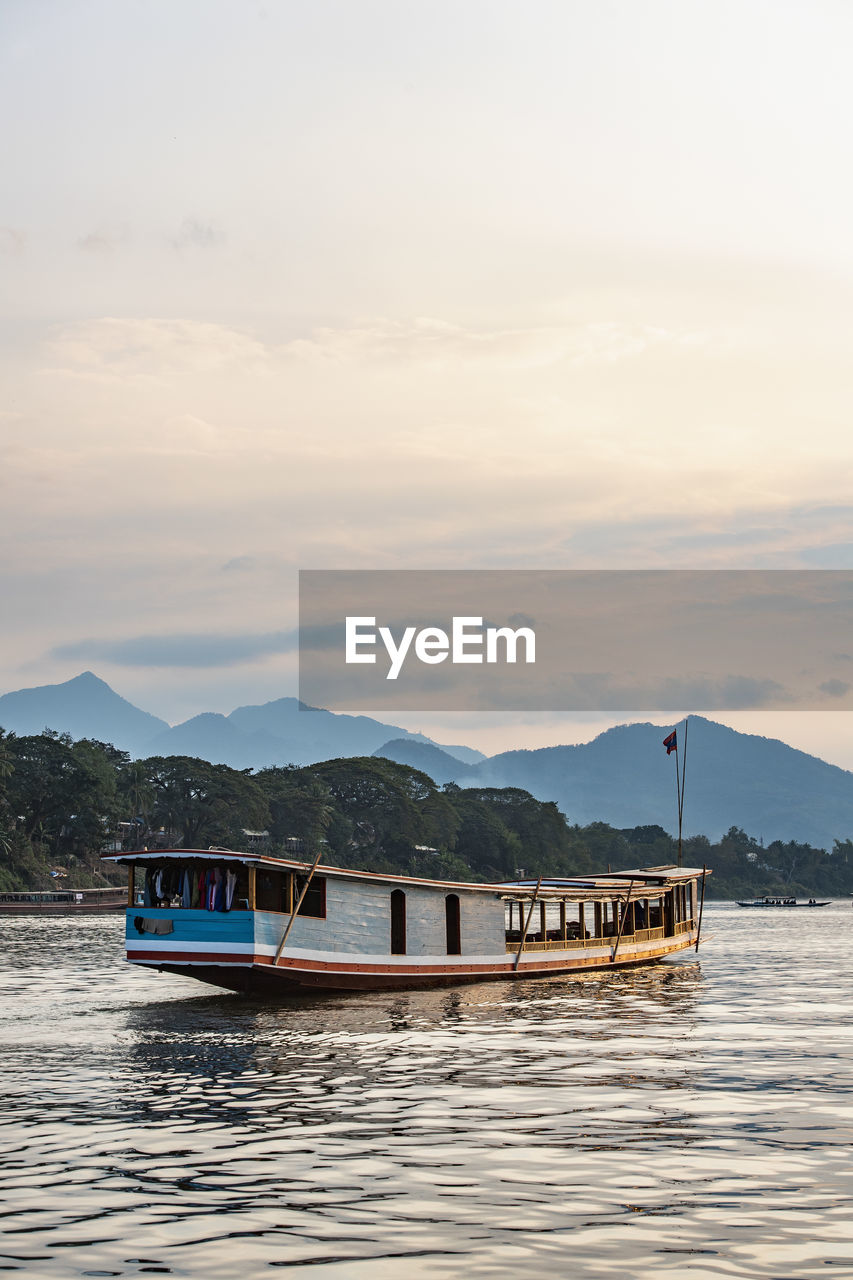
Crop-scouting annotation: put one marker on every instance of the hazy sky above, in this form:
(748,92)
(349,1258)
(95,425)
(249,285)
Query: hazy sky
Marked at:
(376,283)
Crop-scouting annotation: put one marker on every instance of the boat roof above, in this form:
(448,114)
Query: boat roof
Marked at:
(603,886)
(641,882)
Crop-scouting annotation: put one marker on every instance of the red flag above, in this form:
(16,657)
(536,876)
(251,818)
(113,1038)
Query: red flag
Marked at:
(670,743)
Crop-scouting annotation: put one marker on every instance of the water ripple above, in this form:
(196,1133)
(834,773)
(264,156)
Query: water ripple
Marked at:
(694,1114)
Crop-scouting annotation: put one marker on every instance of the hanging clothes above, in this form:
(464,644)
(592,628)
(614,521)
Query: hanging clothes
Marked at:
(230,886)
(219,895)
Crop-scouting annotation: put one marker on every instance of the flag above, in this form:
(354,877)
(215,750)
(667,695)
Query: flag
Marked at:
(670,743)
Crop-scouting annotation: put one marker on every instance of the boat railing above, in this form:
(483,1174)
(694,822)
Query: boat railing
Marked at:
(534,943)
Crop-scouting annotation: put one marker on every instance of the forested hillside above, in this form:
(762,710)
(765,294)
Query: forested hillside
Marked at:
(62,803)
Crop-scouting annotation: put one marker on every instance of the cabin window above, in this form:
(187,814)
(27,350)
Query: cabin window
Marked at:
(271,891)
(452,925)
(195,884)
(398,922)
(314,902)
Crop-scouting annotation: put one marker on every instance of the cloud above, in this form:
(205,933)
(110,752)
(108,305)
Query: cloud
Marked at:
(834,688)
(240,564)
(425,339)
(101,241)
(158,346)
(182,650)
(117,348)
(195,234)
(12,241)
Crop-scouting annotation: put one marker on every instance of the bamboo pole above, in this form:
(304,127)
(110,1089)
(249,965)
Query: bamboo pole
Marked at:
(622,922)
(526,924)
(701,905)
(295,912)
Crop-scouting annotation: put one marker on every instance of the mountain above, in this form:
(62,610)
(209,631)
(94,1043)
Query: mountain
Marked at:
(624,777)
(85,707)
(428,757)
(284,731)
(467,755)
(211,736)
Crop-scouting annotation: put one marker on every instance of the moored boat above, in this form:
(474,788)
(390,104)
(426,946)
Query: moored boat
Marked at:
(37,901)
(252,922)
(784,902)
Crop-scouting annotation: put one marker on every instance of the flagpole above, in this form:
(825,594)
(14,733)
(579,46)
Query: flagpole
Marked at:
(681,789)
(671,744)
(678,798)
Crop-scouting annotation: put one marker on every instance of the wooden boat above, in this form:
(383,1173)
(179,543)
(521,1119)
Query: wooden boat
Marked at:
(36,902)
(784,902)
(251,922)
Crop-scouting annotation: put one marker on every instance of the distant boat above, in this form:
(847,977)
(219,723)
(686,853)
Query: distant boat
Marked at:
(783,902)
(36,901)
(254,922)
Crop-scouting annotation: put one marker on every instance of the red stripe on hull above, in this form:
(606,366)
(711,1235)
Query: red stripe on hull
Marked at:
(190,957)
(241,972)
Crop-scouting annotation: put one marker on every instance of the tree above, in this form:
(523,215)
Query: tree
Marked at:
(44,789)
(383,801)
(202,804)
(299,805)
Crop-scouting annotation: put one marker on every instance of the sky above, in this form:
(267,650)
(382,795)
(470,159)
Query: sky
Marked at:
(371,284)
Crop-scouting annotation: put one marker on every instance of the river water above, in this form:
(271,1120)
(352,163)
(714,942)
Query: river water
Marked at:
(693,1116)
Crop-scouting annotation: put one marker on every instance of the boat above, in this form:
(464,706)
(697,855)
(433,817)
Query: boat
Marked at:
(37,901)
(253,922)
(784,902)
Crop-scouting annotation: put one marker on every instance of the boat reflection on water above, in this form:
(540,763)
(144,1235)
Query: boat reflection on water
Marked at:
(331,1059)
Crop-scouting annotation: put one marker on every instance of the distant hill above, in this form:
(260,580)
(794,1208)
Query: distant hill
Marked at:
(284,731)
(436,761)
(467,755)
(624,777)
(85,707)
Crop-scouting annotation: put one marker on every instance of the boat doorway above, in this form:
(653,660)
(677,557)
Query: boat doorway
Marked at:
(398,922)
(453,930)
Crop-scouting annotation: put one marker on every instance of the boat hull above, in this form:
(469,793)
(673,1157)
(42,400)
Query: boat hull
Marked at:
(66,907)
(259,974)
(786,906)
